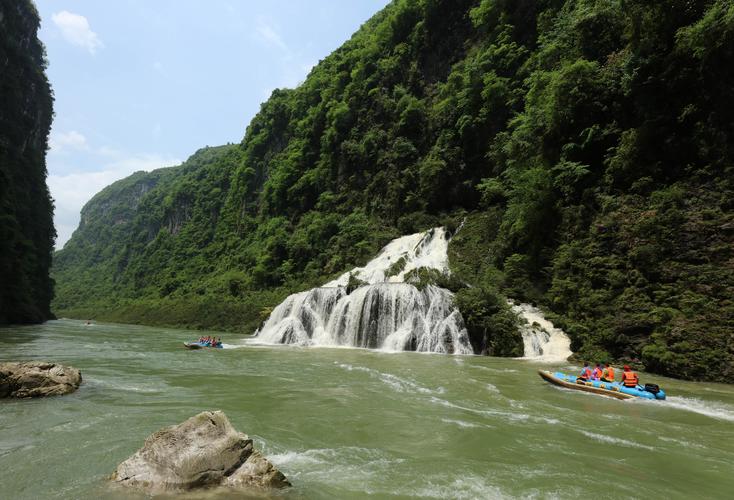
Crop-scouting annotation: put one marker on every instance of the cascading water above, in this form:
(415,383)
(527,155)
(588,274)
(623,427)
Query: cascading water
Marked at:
(542,340)
(387,313)
(392,315)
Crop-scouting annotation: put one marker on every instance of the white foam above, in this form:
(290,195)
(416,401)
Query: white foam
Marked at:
(492,388)
(343,467)
(494,370)
(396,383)
(612,440)
(465,487)
(295,458)
(486,412)
(681,442)
(461,423)
(720,411)
(231,346)
(150,388)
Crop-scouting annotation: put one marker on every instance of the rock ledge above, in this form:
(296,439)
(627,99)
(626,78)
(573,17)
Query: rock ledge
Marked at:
(205,451)
(32,379)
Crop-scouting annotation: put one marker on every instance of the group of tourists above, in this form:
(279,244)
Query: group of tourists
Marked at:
(629,378)
(210,341)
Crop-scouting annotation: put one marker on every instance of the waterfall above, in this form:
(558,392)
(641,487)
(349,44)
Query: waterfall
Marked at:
(428,249)
(542,340)
(390,316)
(387,313)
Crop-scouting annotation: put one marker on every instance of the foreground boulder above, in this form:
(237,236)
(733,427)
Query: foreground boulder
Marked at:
(203,452)
(32,379)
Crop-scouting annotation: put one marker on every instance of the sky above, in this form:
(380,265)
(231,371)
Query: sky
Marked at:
(142,84)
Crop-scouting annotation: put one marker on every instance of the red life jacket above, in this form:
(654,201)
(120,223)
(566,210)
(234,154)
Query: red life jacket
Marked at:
(629,379)
(586,373)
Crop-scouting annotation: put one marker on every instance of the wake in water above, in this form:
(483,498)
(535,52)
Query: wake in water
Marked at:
(717,410)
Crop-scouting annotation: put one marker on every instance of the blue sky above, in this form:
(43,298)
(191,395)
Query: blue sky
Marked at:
(142,84)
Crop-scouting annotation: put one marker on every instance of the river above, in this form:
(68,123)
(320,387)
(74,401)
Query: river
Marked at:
(353,423)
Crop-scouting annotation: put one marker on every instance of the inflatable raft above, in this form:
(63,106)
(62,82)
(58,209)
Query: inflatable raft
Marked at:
(202,345)
(611,389)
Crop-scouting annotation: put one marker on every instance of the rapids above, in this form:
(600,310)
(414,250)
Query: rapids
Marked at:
(357,423)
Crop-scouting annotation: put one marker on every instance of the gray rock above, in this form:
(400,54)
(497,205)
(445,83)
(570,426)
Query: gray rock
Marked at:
(32,379)
(205,451)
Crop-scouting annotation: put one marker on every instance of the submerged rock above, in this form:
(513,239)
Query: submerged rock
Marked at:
(205,451)
(32,379)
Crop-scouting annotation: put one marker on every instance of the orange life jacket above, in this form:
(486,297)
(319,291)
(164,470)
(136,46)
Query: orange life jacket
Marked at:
(629,379)
(586,373)
(608,373)
(596,374)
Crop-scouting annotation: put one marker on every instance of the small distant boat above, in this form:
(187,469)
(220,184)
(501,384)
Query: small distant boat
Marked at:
(611,389)
(202,345)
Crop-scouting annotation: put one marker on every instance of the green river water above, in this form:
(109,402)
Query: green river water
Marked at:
(349,423)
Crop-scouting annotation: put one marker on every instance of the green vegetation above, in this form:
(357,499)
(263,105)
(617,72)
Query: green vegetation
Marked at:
(586,144)
(26,226)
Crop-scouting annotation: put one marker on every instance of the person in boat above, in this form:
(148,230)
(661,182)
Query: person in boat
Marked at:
(629,378)
(585,373)
(596,373)
(607,375)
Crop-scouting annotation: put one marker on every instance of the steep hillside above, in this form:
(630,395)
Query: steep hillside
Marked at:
(26,226)
(585,145)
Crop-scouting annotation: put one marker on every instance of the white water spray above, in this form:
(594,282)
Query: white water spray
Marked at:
(392,315)
(541,339)
(386,314)
(428,249)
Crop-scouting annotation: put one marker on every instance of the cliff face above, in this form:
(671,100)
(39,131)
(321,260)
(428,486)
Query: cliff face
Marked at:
(587,146)
(26,226)
(130,222)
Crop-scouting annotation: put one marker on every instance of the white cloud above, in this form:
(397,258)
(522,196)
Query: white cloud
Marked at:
(109,152)
(71,191)
(75,30)
(160,68)
(294,65)
(266,33)
(73,140)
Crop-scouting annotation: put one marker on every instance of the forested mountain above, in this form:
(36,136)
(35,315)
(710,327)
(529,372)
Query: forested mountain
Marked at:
(585,145)
(26,211)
